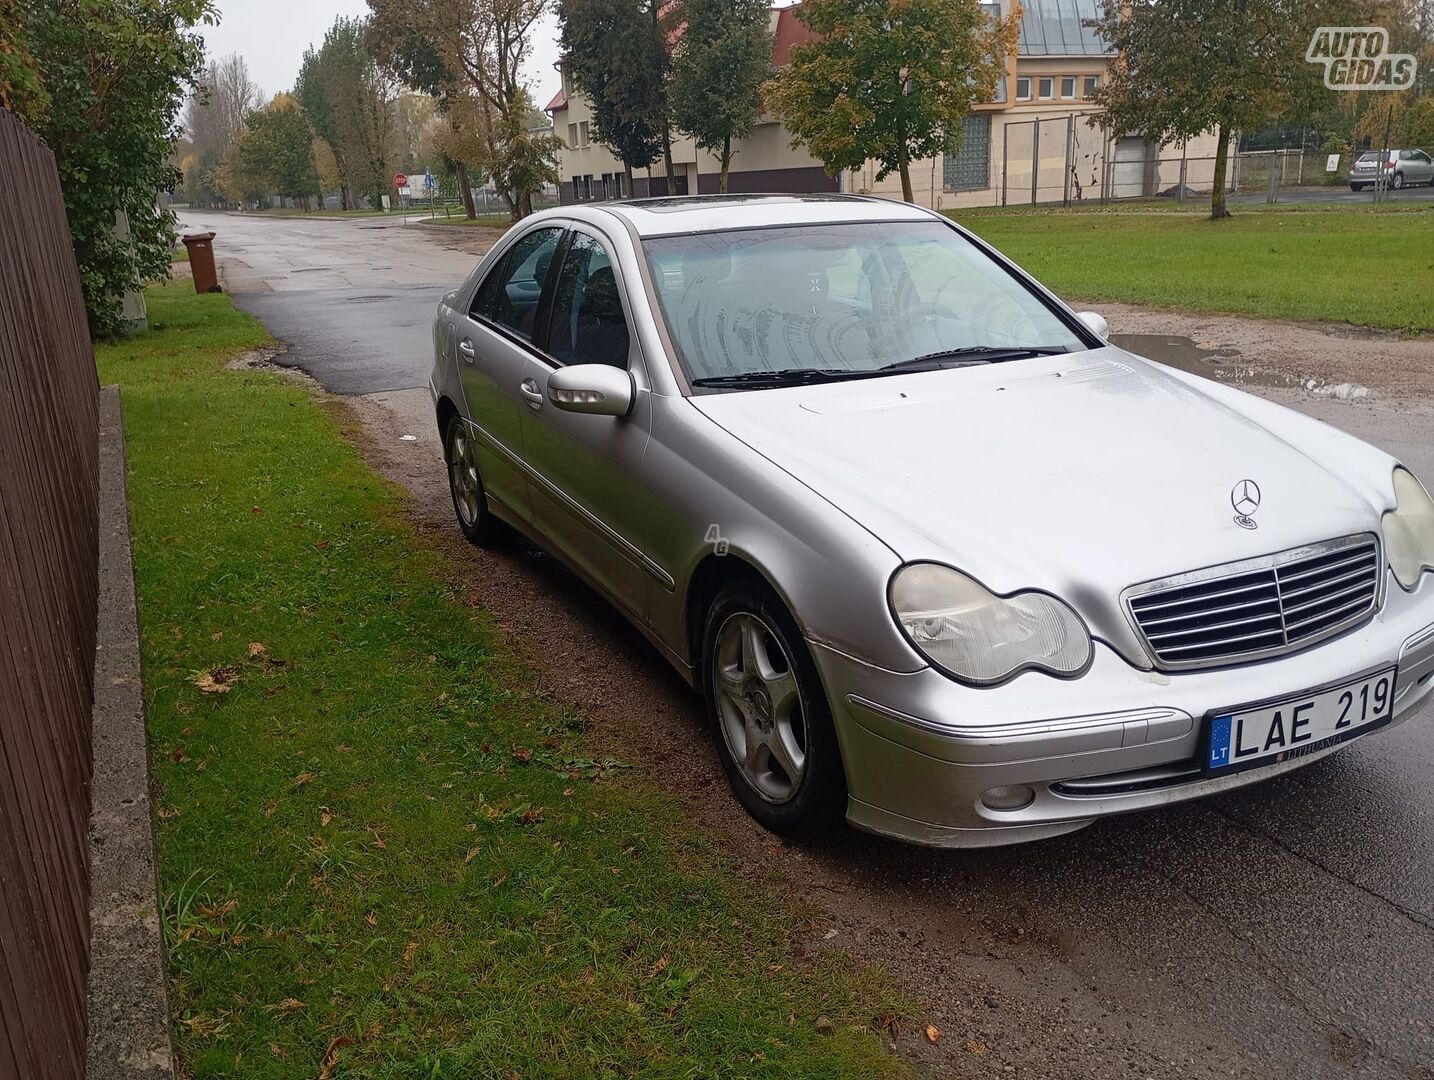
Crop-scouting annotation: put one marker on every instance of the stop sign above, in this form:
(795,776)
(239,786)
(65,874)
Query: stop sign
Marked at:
(400,180)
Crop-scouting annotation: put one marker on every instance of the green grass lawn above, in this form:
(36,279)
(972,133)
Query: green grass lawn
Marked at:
(1344,265)
(379,855)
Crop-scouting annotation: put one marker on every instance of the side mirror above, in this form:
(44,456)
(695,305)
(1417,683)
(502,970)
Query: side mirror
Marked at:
(1095,323)
(591,388)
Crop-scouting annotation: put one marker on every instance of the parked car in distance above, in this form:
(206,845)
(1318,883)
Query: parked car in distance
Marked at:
(1401,169)
(938,557)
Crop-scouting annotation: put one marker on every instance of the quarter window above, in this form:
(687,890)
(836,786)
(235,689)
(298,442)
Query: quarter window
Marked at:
(509,295)
(587,324)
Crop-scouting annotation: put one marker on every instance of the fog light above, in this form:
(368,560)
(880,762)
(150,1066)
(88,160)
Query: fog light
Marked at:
(1011,797)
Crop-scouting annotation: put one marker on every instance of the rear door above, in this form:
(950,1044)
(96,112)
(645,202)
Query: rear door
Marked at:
(494,350)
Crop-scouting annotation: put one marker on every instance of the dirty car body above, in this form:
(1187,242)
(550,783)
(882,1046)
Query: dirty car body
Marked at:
(1030,579)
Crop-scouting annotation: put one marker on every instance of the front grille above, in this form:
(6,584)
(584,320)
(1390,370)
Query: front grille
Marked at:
(1258,607)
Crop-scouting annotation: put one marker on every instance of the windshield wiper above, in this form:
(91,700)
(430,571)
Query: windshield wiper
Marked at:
(779,377)
(979,354)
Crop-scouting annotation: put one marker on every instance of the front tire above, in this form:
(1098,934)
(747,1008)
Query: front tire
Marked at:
(470,502)
(769,714)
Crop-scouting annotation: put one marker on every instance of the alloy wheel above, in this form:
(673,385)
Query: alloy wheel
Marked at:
(759,707)
(463,476)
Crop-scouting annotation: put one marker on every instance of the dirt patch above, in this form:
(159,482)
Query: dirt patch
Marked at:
(1322,357)
(262,359)
(472,239)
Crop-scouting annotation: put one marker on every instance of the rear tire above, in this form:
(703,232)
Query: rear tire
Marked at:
(769,713)
(1356,187)
(1398,181)
(470,502)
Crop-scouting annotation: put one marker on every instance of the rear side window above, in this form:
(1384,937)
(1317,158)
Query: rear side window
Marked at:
(510,294)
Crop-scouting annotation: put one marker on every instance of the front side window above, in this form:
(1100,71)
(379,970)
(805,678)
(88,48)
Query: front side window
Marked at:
(510,293)
(843,299)
(588,326)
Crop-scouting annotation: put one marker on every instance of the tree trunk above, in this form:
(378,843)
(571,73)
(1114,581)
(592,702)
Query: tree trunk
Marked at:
(726,164)
(1217,192)
(465,189)
(666,127)
(904,167)
(627,171)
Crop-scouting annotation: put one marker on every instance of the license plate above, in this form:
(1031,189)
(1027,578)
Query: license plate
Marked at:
(1278,731)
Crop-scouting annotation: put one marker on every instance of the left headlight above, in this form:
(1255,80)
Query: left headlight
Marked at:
(978,637)
(1409,529)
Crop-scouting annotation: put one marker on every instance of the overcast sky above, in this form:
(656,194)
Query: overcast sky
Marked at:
(273,34)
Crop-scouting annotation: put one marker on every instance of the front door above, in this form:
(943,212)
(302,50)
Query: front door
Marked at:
(587,500)
(494,353)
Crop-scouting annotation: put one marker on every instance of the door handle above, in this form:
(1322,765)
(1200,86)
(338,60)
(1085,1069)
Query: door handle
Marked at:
(529,389)
(465,348)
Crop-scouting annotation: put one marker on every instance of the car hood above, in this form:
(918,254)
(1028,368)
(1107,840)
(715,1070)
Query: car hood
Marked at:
(1080,473)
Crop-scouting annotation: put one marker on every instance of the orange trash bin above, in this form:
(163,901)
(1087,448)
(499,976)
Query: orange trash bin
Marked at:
(201,261)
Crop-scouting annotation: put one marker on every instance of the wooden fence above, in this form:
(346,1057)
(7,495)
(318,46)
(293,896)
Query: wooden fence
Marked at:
(48,549)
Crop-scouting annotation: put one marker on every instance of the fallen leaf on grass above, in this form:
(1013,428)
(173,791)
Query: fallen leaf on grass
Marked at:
(288,1005)
(325,816)
(530,816)
(410,952)
(331,1056)
(319,545)
(932,1033)
(657,968)
(472,854)
(304,778)
(522,753)
(371,919)
(215,680)
(256,650)
(889,1024)
(378,840)
(500,879)
(825,1026)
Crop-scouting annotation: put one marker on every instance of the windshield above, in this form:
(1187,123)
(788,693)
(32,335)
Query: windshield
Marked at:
(843,300)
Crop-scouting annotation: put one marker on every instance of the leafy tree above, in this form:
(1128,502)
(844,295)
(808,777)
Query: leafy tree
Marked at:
(1190,66)
(402,38)
(275,153)
(102,82)
(477,49)
(889,81)
(615,52)
(346,99)
(719,65)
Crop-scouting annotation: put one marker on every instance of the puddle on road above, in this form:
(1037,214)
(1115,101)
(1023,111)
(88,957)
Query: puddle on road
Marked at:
(1225,365)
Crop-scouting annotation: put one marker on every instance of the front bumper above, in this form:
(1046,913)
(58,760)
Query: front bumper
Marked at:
(920,749)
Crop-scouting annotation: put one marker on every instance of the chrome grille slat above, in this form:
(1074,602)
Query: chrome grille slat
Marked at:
(1260,607)
(1212,627)
(1149,623)
(1358,557)
(1269,585)
(1354,575)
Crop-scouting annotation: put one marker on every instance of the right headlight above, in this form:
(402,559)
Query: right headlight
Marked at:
(1409,529)
(978,637)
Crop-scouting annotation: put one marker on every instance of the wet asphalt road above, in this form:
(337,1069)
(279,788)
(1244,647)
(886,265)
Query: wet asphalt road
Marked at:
(1282,930)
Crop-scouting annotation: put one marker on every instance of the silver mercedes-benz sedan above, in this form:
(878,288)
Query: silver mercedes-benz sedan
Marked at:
(936,555)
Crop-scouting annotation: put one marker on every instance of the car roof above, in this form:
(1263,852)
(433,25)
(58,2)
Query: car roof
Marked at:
(710,213)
